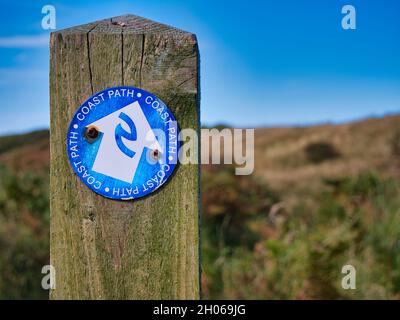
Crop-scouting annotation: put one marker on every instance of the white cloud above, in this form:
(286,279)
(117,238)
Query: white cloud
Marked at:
(35,41)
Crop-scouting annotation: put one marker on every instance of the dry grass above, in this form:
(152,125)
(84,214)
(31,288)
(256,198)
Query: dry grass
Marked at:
(363,145)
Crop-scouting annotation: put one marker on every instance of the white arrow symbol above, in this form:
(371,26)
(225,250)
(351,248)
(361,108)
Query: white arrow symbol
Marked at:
(110,160)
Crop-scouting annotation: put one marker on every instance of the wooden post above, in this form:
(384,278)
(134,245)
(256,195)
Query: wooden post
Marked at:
(105,249)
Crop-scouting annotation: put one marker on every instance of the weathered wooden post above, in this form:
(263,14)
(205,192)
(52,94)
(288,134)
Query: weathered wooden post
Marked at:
(107,249)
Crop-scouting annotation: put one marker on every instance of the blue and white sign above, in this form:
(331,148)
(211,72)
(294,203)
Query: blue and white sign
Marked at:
(123,143)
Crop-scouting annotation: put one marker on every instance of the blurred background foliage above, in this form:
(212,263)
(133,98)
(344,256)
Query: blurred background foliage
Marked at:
(24,233)
(299,255)
(320,198)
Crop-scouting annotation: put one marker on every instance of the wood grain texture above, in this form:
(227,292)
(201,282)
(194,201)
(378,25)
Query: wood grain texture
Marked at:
(105,249)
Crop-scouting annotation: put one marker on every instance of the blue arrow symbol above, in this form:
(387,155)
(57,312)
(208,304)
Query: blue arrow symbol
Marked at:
(121,132)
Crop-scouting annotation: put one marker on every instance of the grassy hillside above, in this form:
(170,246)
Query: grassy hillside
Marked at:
(24,214)
(320,197)
(282,158)
(26,152)
(283,161)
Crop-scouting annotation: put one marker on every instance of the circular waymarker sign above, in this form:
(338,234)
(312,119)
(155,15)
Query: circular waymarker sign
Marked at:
(123,143)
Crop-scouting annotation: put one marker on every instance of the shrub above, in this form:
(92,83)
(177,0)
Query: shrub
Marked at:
(303,257)
(24,234)
(230,204)
(318,152)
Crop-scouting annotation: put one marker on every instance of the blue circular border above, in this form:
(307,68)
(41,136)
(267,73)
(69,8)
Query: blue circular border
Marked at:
(105,109)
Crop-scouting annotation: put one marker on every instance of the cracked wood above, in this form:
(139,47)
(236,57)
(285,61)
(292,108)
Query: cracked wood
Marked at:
(105,249)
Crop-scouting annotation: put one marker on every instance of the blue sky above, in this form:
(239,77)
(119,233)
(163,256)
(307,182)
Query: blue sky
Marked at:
(264,63)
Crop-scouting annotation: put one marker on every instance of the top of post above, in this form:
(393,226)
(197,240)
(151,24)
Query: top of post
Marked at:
(128,24)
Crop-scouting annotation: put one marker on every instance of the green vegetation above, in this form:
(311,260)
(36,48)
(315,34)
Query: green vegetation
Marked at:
(299,254)
(24,233)
(284,232)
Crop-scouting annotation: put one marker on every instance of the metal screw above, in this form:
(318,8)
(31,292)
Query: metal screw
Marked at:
(91,133)
(155,154)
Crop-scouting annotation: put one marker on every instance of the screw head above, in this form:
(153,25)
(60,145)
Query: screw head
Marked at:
(91,133)
(155,154)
